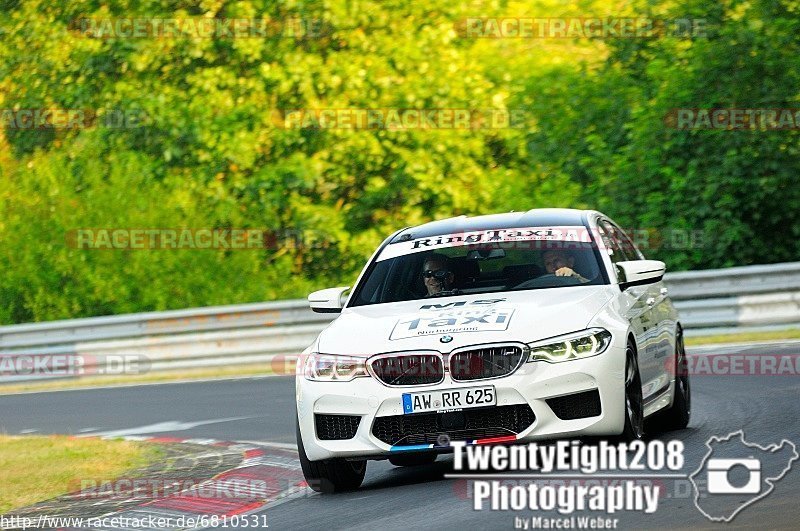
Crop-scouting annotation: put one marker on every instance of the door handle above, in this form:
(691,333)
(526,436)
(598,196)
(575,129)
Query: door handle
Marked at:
(650,301)
(664,291)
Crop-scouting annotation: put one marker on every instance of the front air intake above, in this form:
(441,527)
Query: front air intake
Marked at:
(336,427)
(576,406)
(469,424)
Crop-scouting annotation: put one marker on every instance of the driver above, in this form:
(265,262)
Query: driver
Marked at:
(560,263)
(437,274)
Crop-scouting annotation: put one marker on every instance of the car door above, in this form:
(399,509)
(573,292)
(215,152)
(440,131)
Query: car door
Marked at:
(639,305)
(658,322)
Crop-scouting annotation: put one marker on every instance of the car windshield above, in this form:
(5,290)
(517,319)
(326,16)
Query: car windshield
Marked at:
(465,264)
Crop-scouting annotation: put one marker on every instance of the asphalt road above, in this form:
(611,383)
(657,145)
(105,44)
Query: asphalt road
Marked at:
(766,407)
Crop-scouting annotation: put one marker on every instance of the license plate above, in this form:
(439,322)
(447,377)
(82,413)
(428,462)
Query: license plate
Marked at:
(449,399)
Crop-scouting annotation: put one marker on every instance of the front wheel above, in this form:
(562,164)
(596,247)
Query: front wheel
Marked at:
(330,475)
(634,402)
(677,416)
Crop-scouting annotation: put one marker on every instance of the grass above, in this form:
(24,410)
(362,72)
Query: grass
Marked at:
(745,337)
(39,468)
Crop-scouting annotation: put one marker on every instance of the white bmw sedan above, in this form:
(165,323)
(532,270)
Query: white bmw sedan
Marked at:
(494,329)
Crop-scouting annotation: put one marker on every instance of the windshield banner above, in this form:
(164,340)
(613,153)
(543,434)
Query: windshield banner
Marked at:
(570,237)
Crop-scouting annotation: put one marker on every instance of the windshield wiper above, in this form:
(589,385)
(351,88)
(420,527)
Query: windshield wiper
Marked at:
(446,293)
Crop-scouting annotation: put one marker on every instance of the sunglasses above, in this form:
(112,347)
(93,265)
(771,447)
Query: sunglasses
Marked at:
(439,274)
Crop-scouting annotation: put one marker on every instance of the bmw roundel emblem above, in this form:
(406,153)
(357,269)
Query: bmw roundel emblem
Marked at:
(446,339)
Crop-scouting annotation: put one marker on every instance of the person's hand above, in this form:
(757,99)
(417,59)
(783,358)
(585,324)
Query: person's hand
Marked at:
(568,272)
(565,272)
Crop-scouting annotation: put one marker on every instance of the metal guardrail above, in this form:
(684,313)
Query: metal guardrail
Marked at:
(158,341)
(743,298)
(731,281)
(709,301)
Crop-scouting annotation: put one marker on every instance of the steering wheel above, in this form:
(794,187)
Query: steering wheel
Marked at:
(410,294)
(550,280)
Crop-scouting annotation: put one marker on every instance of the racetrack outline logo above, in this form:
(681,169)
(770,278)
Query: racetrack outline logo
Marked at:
(768,479)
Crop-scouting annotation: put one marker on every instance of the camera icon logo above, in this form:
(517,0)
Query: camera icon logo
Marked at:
(735,473)
(718,476)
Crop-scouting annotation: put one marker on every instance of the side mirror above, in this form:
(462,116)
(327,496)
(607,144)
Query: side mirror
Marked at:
(638,272)
(330,300)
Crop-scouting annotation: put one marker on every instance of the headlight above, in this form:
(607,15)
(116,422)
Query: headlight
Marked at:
(333,368)
(574,346)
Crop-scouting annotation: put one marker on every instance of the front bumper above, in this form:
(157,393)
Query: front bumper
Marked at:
(532,385)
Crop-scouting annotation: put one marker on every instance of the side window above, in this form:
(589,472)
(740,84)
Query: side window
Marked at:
(627,245)
(611,241)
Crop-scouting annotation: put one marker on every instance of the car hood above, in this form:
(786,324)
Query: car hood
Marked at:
(465,319)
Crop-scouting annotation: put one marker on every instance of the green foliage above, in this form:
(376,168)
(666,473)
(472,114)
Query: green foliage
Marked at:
(209,153)
(739,189)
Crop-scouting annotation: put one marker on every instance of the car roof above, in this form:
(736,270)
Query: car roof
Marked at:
(539,217)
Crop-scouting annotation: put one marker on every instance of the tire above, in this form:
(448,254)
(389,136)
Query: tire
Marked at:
(678,415)
(413,459)
(330,475)
(634,402)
